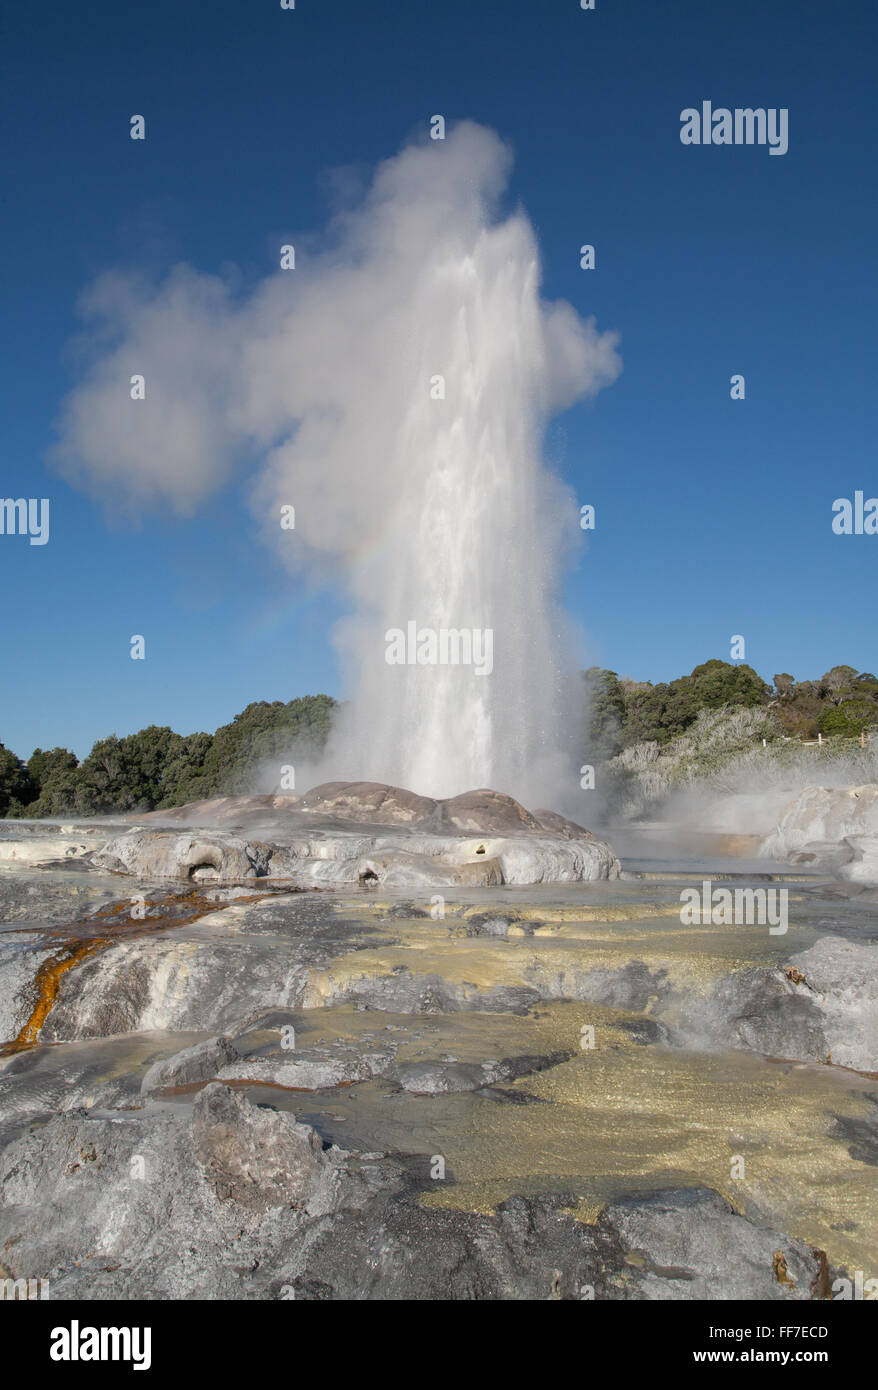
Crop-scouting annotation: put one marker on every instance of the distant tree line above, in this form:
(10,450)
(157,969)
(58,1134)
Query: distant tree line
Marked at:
(624,712)
(156,768)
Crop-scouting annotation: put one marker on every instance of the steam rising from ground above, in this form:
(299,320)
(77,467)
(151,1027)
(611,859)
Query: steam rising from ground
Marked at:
(718,776)
(433,511)
(752,790)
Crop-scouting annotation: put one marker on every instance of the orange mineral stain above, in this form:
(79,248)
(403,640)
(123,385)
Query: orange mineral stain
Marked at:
(179,908)
(47,984)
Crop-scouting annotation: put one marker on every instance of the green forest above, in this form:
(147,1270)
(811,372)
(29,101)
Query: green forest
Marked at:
(156,768)
(621,712)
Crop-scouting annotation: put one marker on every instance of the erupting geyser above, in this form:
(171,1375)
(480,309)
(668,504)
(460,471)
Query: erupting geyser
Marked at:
(397,388)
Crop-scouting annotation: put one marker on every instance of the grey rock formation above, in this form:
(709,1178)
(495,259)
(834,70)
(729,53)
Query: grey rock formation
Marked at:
(632,986)
(164,1203)
(240,1201)
(560,825)
(489,926)
(823,855)
(760,1010)
(362,832)
(409,992)
(863,864)
(400,859)
(440,1078)
(253,1157)
(693,1243)
(199,1063)
(822,816)
(240,1084)
(841,979)
(822,1006)
(162,854)
(311,1068)
(373,803)
(236,812)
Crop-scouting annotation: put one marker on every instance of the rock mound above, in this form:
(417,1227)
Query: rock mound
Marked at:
(835,828)
(361,832)
(476,812)
(255,1157)
(223,810)
(372,802)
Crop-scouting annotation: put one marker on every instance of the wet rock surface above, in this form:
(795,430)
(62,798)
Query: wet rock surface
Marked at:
(239,1201)
(833,827)
(201,1062)
(822,1005)
(265,1089)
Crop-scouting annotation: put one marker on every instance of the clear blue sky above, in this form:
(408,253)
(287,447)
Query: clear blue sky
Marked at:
(713,515)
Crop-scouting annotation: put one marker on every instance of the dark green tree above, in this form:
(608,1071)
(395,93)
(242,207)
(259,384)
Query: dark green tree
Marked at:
(718,683)
(264,735)
(184,767)
(605,709)
(840,683)
(16,787)
(53,774)
(662,712)
(847,720)
(125,774)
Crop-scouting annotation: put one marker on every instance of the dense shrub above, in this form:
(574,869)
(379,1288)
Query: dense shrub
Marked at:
(156,767)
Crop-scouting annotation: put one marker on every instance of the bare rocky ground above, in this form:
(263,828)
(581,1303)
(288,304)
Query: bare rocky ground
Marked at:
(221,1081)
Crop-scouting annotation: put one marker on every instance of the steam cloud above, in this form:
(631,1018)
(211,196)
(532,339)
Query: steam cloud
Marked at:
(437,511)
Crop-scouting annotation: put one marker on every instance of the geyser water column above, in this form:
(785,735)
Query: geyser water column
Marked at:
(393,387)
(470,540)
(467,543)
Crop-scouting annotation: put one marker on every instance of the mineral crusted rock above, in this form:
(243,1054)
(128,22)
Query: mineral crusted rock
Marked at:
(199,1063)
(821,816)
(366,833)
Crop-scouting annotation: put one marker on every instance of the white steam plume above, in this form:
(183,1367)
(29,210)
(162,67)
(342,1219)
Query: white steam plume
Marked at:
(433,511)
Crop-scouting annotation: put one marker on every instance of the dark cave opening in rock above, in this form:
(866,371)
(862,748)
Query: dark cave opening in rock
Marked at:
(203,873)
